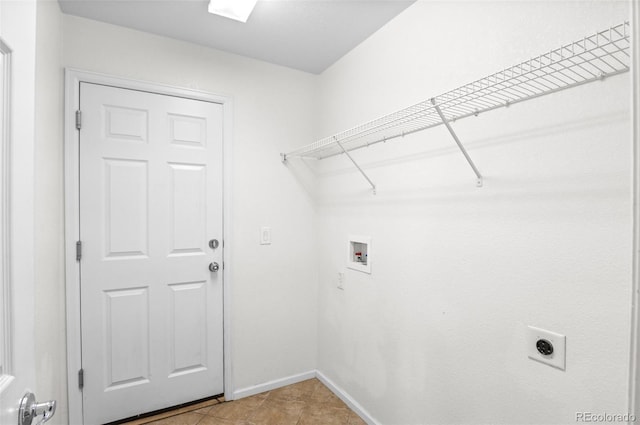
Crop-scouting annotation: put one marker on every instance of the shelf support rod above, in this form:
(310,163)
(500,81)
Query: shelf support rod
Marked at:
(455,137)
(373,186)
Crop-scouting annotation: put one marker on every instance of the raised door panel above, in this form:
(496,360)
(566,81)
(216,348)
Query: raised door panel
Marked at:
(126,208)
(126,333)
(188,131)
(187,209)
(126,124)
(188,328)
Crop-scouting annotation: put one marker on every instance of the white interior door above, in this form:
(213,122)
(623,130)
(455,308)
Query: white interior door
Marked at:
(150,202)
(17,294)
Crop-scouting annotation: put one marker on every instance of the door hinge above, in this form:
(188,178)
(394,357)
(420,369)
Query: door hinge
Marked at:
(78,250)
(78,119)
(81,378)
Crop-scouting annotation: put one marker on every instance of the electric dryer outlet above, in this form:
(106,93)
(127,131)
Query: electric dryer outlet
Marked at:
(546,347)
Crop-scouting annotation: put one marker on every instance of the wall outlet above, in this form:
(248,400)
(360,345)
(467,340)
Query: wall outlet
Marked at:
(265,236)
(546,347)
(341,280)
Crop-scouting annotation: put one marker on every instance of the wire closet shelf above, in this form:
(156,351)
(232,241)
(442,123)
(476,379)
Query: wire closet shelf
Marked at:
(593,58)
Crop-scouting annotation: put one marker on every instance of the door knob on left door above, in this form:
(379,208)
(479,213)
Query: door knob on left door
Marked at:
(29,410)
(214,267)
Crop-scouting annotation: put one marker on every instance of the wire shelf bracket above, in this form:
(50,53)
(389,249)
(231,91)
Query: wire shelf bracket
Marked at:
(592,58)
(373,186)
(460,146)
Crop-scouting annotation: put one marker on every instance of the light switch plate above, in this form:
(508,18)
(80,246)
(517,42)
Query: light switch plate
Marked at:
(341,280)
(556,359)
(265,236)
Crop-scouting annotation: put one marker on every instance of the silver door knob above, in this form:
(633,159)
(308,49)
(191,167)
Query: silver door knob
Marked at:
(214,267)
(30,410)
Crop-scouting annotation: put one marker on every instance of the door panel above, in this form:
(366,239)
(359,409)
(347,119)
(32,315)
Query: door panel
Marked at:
(188,209)
(150,199)
(188,131)
(126,321)
(187,327)
(126,207)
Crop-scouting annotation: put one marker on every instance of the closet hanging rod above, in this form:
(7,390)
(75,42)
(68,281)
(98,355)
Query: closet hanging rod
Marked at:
(592,58)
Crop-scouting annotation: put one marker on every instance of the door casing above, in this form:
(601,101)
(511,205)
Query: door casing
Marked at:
(73,78)
(634,360)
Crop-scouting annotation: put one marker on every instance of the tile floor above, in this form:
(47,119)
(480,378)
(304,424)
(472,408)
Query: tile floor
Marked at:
(305,403)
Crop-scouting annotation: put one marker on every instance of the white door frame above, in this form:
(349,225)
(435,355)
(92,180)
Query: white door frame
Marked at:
(6,315)
(73,78)
(634,363)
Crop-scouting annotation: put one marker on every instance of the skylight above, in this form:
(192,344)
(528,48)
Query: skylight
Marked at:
(238,10)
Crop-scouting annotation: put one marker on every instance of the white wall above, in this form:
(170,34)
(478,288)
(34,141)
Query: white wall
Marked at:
(273,318)
(274,287)
(635,70)
(435,335)
(545,242)
(51,370)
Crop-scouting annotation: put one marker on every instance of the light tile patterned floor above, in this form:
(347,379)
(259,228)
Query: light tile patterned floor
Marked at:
(305,403)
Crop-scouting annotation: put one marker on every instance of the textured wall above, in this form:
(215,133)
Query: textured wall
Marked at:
(435,335)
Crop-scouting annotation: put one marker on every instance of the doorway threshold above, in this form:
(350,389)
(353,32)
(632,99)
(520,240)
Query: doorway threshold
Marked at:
(170,411)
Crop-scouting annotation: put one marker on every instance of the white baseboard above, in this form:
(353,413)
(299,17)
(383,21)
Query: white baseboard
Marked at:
(294,379)
(348,400)
(272,385)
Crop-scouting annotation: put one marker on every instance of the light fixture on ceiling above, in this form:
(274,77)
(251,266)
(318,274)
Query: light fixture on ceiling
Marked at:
(238,10)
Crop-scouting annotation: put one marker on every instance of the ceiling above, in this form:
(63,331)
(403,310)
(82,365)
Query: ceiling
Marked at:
(309,35)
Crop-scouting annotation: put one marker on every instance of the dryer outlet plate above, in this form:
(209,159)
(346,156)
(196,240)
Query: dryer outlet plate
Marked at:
(558,341)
